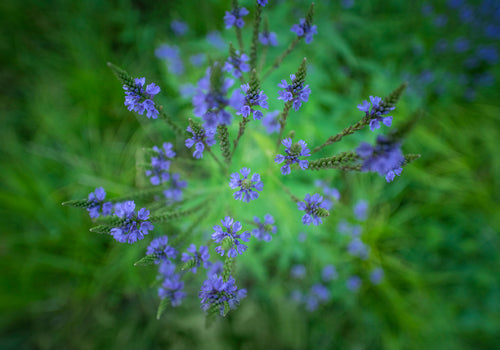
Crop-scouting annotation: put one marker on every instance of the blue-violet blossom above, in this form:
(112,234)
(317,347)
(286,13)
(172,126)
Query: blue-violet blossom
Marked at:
(139,100)
(96,203)
(229,239)
(315,209)
(174,191)
(385,158)
(252,99)
(305,29)
(160,164)
(237,65)
(377,112)
(215,291)
(160,248)
(293,152)
(248,187)
(263,232)
(134,226)
(198,256)
(199,140)
(296,92)
(235,17)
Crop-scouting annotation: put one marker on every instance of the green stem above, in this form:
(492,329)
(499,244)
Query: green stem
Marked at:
(280,59)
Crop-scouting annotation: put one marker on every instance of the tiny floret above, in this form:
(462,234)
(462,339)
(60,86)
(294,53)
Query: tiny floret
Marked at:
(252,98)
(160,248)
(296,91)
(160,164)
(305,29)
(201,137)
(196,257)
(217,293)
(247,187)
(138,99)
(265,228)
(377,112)
(315,209)
(97,206)
(235,17)
(237,64)
(229,239)
(134,226)
(385,157)
(293,152)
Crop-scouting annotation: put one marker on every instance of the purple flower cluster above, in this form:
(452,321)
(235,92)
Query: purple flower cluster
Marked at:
(134,226)
(252,99)
(329,273)
(314,207)
(171,55)
(298,271)
(235,17)
(265,228)
(97,206)
(377,112)
(271,122)
(377,275)
(197,256)
(237,64)
(139,100)
(172,286)
(210,103)
(330,194)
(229,238)
(200,138)
(361,210)
(248,187)
(319,293)
(293,152)
(268,38)
(354,283)
(178,27)
(305,29)
(262,3)
(385,158)
(217,293)
(296,92)
(160,164)
(356,247)
(161,249)
(174,192)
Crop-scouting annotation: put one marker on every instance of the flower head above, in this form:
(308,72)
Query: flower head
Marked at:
(160,248)
(174,192)
(237,64)
(271,122)
(377,275)
(354,283)
(172,287)
(263,232)
(268,38)
(361,210)
(378,110)
(305,29)
(138,99)
(235,17)
(97,206)
(134,226)
(296,91)
(172,57)
(385,158)
(293,152)
(197,257)
(229,238)
(160,164)
(252,98)
(247,187)
(178,27)
(215,292)
(314,208)
(201,137)
(329,273)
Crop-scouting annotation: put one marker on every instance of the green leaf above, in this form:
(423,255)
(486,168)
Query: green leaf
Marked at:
(162,307)
(147,260)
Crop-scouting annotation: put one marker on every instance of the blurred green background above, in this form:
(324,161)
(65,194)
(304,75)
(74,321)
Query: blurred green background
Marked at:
(434,230)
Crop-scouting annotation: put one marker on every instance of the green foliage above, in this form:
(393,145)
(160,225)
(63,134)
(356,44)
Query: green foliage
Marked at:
(65,131)
(162,307)
(147,260)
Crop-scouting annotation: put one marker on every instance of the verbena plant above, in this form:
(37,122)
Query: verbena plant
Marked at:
(222,113)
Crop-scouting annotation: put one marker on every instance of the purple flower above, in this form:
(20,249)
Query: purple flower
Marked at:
(248,187)
(376,113)
(295,92)
(265,228)
(237,65)
(199,140)
(160,164)
(385,158)
(329,273)
(171,55)
(215,39)
(230,240)
(160,248)
(198,59)
(305,29)
(174,192)
(298,271)
(235,17)
(353,283)
(314,208)
(331,194)
(377,275)
(262,2)
(171,288)
(215,268)
(97,206)
(293,152)
(268,38)
(210,102)
(133,226)
(216,292)
(178,27)
(252,98)
(139,100)
(271,122)
(197,256)
(361,210)
(356,247)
